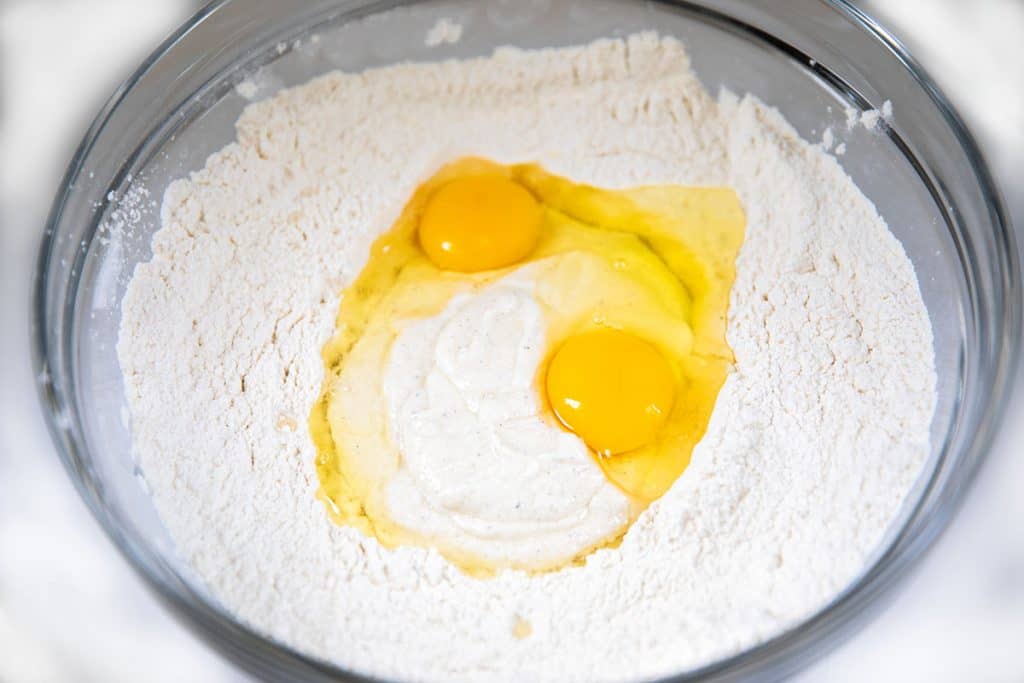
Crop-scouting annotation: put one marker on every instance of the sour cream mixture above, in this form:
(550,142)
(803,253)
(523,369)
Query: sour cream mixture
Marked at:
(480,465)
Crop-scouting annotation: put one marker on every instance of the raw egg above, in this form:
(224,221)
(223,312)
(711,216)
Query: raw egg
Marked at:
(614,389)
(632,288)
(480,223)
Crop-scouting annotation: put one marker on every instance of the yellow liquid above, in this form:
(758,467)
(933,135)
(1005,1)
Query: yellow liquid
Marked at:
(657,262)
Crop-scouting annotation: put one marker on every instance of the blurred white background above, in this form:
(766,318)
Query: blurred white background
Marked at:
(71,610)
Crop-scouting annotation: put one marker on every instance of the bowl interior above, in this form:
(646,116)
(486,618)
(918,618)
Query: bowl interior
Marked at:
(182,108)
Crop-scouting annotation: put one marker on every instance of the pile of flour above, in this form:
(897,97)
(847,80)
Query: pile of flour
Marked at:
(817,436)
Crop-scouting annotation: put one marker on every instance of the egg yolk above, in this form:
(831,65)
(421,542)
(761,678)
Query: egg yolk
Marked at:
(479,223)
(614,389)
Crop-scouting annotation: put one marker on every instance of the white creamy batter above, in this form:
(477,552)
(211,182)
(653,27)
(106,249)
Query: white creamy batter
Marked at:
(816,438)
(479,465)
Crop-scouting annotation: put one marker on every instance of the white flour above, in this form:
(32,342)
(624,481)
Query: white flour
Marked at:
(817,435)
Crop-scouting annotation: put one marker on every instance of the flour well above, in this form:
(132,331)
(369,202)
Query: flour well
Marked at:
(817,436)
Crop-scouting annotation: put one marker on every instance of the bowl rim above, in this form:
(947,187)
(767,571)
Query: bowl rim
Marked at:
(781,654)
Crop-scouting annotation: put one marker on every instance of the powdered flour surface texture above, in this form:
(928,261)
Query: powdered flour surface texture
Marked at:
(816,438)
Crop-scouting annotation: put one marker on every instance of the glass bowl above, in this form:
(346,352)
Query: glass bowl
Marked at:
(811,59)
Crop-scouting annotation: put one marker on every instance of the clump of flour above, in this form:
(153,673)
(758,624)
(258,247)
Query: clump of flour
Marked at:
(817,435)
(444,32)
(869,118)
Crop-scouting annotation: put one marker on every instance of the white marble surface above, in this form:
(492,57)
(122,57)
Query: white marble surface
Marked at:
(70,609)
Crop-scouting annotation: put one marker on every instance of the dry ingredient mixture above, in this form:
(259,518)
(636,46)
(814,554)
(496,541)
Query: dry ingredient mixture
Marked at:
(817,435)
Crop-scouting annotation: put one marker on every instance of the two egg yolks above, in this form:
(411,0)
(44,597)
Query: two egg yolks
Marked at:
(613,389)
(634,288)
